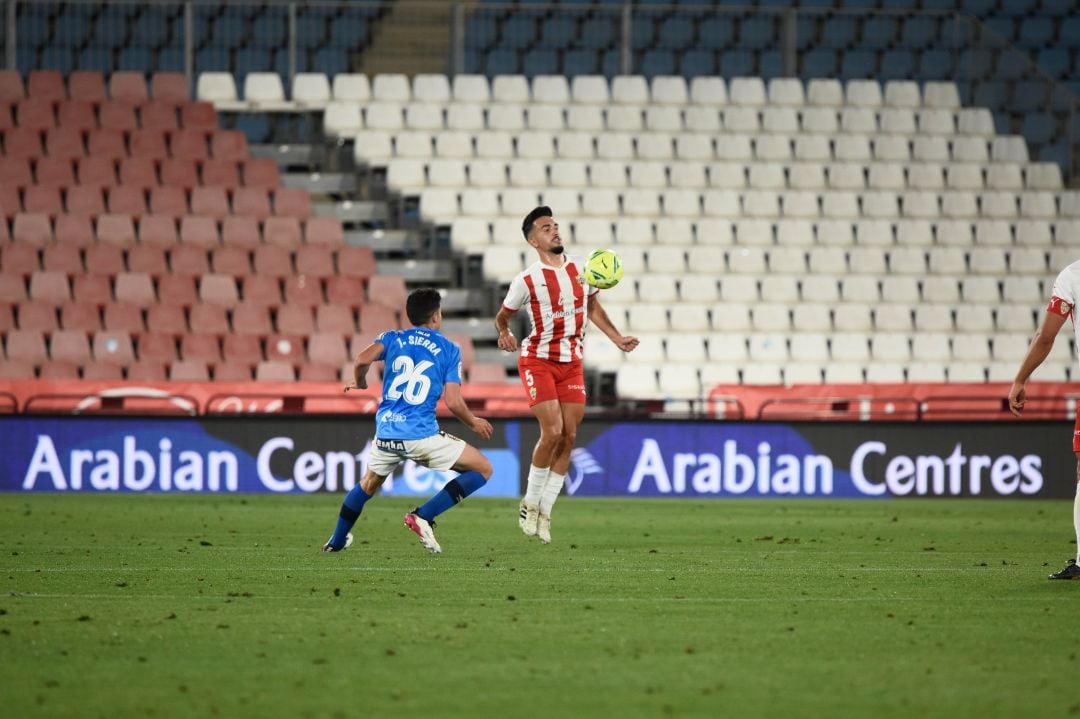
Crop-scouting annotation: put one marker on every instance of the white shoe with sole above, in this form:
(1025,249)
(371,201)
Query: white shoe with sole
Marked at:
(543,528)
(348,543)
(527,518)
(423,529)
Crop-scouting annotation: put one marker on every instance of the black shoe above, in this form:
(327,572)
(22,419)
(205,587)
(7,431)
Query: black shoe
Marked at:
(1071,571)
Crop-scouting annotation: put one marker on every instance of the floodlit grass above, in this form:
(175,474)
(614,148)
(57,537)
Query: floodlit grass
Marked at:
(203,606)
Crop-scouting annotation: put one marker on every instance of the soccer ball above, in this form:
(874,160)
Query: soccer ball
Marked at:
(603,269)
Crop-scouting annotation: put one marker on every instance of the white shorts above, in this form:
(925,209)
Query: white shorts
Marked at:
(439,451)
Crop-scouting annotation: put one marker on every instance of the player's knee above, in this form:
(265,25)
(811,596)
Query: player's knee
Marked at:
(484,468)
(569,435)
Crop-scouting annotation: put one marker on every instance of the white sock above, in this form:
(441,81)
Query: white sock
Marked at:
(551,492)
(538,477)
(1076,521)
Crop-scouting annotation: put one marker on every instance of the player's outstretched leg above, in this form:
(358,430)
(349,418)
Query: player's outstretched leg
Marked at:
(1071,571)
(475,470)
(423,529)
(350,511)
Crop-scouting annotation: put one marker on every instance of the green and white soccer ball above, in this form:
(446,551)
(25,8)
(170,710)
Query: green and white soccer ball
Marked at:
(603,269)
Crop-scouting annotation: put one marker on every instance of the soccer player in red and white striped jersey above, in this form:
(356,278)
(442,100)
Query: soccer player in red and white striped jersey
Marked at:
(560,305)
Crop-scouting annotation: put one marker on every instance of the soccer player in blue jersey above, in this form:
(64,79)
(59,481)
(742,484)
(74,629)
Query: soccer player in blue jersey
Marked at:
(421,366)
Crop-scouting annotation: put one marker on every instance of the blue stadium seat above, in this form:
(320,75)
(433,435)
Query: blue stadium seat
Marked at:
(958,31)
(1012,65)
(1003,123)
(96,57)
(658,62)
(771,64)
(975,63)
(819,63)
(697,62)
(481,30)
(270,29)
(611,64)
(32,30)
(947,5)
(1039,128)
(311,31)
(473,61)
(255,125)
(1055,61)
(1070,32)
(331,60)
(920,31)
(599,33)
(253,59)
(349,31)
(858,64)
(978,8)
(502,62)
(990,93)
(758,32)
(676,33)
(581,62)
(58,57)
(1018,8)
(936,65)
(26,59)
(879,32)
(1036,32)
(1004,27)
(837,32)
(1029,96)
(170,59)
(151,28)
(862,4)
(1058,152)
(541,61)
(1054,8)
(737,63)
(643,31)
(716,33)
(560,31)
(898,64)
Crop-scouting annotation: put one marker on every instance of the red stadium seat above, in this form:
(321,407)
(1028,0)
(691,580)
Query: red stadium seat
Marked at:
(54,172)
(180,173)
(208,319)
(16,172)
(86,86)
(328,348)
(106,144)
(166,319)
(104,259)
(50,287)
(26,346)
(230,371)
(157,347)
(65,143)
(295,320)
(231,260)
(169,86)
(102,371)
(356,262)
(97,172)
(23,143)
(188,260)
(377,318)
(314,262)
(282,231)
(292,202)
(75,230)
(285,348)
(19,258)
(116,230)
(189,371)
(241,232)
(229,145)
(272,261)
(7,318)
(205,347)
(16,369)
(12,289)
(80,316)
(242,349)
(69,346)
(62,258)
(37,316)
(177,290)
(35,113)
(124,317)
(189,145)
(158,115)
(221,173)
(158,230)
(148,143)
(387,290)
(262,173)
(139,172)
(127,200)
(43,200)
(46,84)
(251,202)
(10,205)
(135,287)
(261,290)
(89,201)
(345,291)
(148,259)
(487,373)
(326,231)
(168,201)
(210,201)
(249,318)
(7,120)
(218,290)
(198,230)
(113,347)
(332,318)
(11,86)
(93,290)
(32,229)
(303,292)
(76,115)
(146,372)
(128,86)
(117,115)
(59,370)
(316,372)
(198,116)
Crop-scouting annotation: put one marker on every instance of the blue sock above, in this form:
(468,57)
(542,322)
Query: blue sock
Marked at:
(350,512)
(455,490)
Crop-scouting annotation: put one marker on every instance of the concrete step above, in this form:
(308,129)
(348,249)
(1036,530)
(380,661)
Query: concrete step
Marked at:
(384,241)
(287,155)
(419,271)
(320,182)
(481,329)
(352,211)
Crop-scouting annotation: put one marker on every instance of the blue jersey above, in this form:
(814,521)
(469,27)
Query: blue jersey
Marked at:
(418,362)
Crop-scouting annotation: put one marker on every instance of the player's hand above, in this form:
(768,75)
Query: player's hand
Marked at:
(482,427)
(627,344)
(359,384)
(1017,398)
(508,342)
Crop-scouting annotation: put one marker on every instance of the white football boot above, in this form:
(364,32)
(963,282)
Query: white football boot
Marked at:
(543,528)
(348,543)
(527,518)
(423,529)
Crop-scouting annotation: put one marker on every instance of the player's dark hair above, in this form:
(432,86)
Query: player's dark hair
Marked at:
(422,304)
(527,225)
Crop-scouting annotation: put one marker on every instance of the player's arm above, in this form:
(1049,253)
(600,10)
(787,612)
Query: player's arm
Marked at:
(456,404)
(1037,352)
(599,317)
(364,359)
(507,341)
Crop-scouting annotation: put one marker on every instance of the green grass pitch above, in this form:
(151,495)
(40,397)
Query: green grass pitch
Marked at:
(117,606)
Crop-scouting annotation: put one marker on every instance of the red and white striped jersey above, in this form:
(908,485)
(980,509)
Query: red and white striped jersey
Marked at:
(1066,295)
(557,299)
